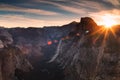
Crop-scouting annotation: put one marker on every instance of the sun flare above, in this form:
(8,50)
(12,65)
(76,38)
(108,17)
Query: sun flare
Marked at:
(108,21)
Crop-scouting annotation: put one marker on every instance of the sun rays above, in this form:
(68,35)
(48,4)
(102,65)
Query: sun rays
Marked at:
(103,32)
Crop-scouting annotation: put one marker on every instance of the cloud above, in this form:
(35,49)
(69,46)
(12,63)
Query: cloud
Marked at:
(22,21)
(69,8)
(113,2)
(19,21)
(77,6)
(5,7)
(89,5)
(39,13)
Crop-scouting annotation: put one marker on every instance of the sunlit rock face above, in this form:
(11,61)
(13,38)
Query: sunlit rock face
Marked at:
(89,57)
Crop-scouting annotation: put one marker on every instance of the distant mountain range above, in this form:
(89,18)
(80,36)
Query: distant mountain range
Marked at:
(76,51)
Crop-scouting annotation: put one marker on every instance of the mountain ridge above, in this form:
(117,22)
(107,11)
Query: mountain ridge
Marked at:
(69,46)
(90,56)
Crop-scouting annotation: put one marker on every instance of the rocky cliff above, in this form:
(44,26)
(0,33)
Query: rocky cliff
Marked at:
(92,53)
(77,51)
(38,45)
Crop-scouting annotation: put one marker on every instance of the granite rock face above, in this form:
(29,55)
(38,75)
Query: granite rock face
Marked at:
(5,38)
(92,55)
(38,45)
(11,57)
(78,51)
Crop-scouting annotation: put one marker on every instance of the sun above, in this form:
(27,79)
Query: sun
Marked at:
(108,21)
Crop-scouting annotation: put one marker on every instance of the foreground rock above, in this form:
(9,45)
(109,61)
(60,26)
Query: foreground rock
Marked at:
(11,59)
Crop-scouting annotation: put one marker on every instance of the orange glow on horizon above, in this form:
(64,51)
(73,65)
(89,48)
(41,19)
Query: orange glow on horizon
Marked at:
(108,20)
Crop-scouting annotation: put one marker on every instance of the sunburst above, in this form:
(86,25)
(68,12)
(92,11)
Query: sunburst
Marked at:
(108,21)
(105,31)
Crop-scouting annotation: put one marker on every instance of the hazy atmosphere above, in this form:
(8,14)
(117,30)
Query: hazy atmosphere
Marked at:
(39,13)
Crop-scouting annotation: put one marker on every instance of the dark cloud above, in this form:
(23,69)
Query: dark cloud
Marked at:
(13,1)
(55,5)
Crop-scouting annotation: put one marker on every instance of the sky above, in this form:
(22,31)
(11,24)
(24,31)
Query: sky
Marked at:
(39,13)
